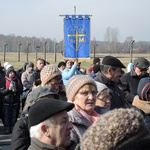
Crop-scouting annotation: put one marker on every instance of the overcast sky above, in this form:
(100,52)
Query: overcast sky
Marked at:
(40,18)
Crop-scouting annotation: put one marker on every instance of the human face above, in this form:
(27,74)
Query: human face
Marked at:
(11,74)
(62,67)
(60,130)
(30,69)
(55,83)
(140,72)
(69,64)
(103,99)
(115,74)
(86,98)
(40,64)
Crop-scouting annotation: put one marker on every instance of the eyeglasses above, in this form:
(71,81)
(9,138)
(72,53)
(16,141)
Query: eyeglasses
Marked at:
(55,83)
(104,99)
(87,93)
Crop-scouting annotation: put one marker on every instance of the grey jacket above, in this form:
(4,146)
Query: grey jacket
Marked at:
(26,80)
(80,125)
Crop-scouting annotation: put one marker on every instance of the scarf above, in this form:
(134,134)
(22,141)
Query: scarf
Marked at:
(91,118)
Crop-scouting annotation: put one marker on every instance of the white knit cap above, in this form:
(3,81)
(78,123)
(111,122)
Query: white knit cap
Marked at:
(100,87)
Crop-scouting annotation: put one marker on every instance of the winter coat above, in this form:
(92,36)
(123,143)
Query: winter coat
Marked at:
(68,73)
(117,96)
(80,125)
(101,110)
(37,145)
(129,83)
(9,96)
(20,139)
(142,90)
(26,80)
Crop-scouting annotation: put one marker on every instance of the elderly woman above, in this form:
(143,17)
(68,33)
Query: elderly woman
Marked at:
(81,90)
(102,99)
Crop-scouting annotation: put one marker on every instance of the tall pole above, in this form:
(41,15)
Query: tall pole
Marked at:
(45,51)
(94,51)
(131,50)
(28,51)
(4,51)
(19,52)
(55,51)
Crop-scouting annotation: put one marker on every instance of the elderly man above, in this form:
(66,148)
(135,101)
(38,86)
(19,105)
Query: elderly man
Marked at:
(50,125)
(109,75)
(131,79)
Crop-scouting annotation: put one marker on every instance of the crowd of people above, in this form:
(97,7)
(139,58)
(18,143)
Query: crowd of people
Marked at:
(68,107)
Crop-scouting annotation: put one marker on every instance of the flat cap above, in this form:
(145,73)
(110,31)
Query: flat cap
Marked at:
(40,92)
(112,61)
(46,108)
(141,63)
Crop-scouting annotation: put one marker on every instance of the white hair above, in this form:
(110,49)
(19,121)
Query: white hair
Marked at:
(36,132)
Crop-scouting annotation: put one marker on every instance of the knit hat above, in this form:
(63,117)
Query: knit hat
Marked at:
(5,64)
(48,73)
(100,87)
(44,109)
(40,92)
(143,88)
(75,83)
(141,63)
(30,64)
(96,60)
(9,66)
(112,61)
(115,128)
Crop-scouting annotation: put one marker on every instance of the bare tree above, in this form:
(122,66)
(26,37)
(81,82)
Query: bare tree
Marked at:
(111,39)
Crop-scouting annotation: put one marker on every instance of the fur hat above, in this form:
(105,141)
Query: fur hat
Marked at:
(48,73)
(115,128)
(44,109)
(141,63)
(112,61)
(75,83)
(100,87)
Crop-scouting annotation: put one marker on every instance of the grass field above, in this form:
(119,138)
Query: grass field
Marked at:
(50,57)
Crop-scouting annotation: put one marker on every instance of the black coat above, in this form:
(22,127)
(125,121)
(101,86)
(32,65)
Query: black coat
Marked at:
(129,82)
(21,137)
(117,96)
(10,97)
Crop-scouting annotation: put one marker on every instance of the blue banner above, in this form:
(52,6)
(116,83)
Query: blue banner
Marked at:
(77,36)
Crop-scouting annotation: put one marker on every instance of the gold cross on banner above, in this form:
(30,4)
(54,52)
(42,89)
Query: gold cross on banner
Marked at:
(76,35)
